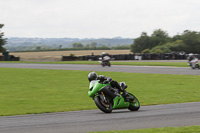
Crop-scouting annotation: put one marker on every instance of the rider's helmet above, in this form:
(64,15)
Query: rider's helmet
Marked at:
(191,56)
(92,76)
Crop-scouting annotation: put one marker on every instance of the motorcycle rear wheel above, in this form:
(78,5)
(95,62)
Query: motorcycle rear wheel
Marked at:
(109,64)
(197,66)
(135,104)
(193,66)
(106,107)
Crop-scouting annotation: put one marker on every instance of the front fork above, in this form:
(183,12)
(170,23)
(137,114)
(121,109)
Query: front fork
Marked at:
(103,98)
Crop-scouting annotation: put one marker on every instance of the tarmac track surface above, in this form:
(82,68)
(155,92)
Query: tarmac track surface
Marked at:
(183,114)
(114,68)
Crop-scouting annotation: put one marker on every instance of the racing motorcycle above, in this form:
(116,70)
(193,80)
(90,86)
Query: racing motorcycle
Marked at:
(105,61)
(108,98)
(194,63)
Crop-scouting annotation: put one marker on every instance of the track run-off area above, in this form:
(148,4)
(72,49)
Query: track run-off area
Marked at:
(183,114)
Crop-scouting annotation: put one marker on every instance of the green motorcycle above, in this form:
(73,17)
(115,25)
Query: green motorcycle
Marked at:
(108,98)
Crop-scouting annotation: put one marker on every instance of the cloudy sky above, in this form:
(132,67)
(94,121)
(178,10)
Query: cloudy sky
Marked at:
(97,18)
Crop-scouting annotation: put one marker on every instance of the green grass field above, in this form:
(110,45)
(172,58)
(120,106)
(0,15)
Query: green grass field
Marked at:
(29,91)
(135,63)
(187,129)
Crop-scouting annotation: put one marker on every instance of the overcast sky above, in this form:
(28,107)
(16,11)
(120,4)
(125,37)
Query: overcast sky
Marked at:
(97,18)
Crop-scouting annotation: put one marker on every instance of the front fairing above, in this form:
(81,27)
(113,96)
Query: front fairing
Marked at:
(95,87)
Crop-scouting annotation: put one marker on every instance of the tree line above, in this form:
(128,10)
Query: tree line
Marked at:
(2,40)
(160,42)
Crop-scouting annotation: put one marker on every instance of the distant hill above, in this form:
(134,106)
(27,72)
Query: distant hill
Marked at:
(15,43)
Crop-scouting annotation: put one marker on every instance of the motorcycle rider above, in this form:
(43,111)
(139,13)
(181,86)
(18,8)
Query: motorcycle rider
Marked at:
(104,54)
(105,59)
(92,76)
(190,58)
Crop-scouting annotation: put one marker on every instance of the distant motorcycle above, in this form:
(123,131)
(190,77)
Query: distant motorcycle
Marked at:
(194,63)
(105,61)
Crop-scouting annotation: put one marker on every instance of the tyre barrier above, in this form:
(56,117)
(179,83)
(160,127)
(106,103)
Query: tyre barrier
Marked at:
(9,58)
(162,56)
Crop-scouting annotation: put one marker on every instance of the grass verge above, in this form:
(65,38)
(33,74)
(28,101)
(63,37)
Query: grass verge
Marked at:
(186,129)
(139,63)
(29,91)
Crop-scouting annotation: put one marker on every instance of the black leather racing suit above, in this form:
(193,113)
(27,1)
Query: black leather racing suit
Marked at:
(113,84)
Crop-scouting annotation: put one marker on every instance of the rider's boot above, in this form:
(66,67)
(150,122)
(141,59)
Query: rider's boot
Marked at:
(125,95)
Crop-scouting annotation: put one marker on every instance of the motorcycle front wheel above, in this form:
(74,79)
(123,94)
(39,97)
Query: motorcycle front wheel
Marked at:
(134,104)
(105,106)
